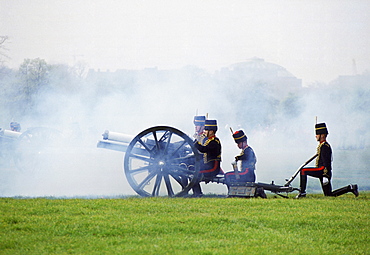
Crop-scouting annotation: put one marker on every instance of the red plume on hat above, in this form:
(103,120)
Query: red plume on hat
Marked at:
(239,136)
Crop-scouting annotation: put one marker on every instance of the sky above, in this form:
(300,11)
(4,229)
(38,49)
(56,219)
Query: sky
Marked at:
(314,40)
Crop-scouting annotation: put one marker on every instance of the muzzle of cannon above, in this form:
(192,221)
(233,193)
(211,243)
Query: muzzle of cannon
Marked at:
(8,134)
(115,141)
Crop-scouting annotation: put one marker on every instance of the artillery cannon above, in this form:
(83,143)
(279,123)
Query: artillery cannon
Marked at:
(158,160)
(163,160)
(28,149)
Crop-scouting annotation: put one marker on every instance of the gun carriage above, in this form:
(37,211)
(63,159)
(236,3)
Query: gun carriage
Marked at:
(162,160)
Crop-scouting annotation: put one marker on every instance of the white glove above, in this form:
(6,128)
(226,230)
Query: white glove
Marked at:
(325,181)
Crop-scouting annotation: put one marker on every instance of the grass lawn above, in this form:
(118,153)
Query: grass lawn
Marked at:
(208,225)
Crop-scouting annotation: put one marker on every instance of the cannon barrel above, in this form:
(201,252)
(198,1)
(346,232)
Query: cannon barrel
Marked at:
(115,141)
(120,142)
(9,134)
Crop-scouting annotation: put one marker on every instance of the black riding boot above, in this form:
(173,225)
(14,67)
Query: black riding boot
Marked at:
(350,188)
(303,184)
(326,188)
(197,190)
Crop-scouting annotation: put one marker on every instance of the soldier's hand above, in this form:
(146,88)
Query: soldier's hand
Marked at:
(199,138)
(325,181)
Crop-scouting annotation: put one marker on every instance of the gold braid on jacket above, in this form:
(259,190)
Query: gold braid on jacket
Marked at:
(205,155)
(318,158)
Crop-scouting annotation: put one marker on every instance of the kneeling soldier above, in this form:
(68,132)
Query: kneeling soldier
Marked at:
(322,171)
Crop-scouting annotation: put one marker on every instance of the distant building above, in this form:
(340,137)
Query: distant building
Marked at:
(258,71)
(254,71)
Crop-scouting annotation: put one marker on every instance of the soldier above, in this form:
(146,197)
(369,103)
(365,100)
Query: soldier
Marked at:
(211,149)
(323,167)
(198,136)
(199,128)
(248,163)
(15,126)
(247,157)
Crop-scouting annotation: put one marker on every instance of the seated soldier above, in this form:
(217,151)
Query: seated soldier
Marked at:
(248,160)
(248,163)
(198,136)
(199,128)
(211,151)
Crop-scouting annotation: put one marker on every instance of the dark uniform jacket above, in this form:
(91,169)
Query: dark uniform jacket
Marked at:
(248,165)
(324,158)
(248,159)
(211,150)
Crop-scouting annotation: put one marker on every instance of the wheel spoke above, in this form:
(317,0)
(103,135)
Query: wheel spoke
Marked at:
(139,170)
(146,180)
(146,147)
(180,170)
(156,140)
(164,136)
(142,158)
(168,185)
(180,179)
(168,142)
(181,145)
(157,185)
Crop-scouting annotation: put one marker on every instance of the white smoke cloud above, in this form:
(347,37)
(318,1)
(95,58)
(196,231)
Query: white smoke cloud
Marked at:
(73,166)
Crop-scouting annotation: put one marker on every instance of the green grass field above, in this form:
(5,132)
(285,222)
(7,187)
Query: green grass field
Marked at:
(208,225)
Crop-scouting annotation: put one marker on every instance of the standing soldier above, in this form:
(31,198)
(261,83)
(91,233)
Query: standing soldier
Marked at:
(323,168)
(211,149)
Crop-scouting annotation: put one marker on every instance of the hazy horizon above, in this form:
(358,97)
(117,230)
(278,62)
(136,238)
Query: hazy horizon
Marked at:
(314,40)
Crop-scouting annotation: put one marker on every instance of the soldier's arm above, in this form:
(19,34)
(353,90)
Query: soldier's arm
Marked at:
(326,156)
(210,147)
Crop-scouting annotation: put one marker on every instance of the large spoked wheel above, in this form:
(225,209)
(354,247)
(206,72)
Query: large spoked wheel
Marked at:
(35,147)
(162,161)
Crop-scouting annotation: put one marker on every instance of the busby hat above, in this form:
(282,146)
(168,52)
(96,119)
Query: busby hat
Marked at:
(210,125)
(321,129)
(239,136)
(199,120)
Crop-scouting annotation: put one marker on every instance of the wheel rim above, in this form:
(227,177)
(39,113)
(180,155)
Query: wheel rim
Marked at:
(161,161)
